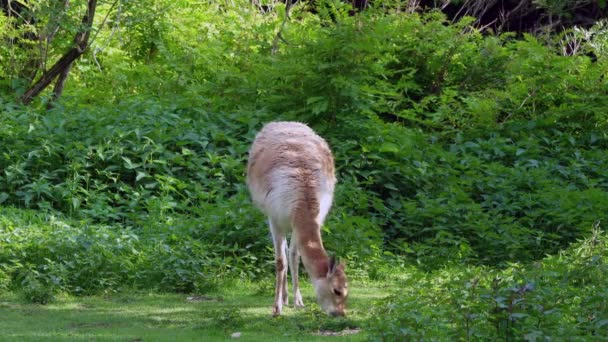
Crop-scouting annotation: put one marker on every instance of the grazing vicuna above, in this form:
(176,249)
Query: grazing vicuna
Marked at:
(291,179)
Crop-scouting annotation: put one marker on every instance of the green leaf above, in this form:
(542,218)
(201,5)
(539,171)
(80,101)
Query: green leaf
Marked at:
(140,175)
(129,164)
(389,147)
(75,202)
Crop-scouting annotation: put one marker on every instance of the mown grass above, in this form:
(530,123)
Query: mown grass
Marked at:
(139,316)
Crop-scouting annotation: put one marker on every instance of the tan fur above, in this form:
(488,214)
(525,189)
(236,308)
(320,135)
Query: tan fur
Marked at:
(291,178)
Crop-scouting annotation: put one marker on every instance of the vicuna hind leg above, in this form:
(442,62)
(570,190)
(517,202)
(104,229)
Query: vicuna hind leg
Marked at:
(280,288)
(294,263)
(286,263)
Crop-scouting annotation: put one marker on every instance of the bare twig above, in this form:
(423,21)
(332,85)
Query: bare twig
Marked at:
(279,36)
(54,25)
(488,24)
(50,31)
(412,6)
(103,22)
(530,95)
(114,29)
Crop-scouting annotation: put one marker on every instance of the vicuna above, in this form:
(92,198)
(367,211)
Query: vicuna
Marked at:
(291,178)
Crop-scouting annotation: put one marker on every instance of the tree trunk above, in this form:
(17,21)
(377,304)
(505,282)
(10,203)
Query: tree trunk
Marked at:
(58,89)
(62,67)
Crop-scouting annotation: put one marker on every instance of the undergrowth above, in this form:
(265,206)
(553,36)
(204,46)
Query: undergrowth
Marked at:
(452,147)
(559,297)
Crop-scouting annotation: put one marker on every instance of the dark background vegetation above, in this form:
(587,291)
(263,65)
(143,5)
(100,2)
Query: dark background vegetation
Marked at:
(125,127)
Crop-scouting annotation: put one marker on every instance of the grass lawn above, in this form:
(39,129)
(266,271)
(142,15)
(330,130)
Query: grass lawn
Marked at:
(139,316)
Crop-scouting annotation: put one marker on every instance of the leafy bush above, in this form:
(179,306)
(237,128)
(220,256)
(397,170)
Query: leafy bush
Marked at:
(550,299)
(451,146)
(42,257)
(72,164)
(5,280)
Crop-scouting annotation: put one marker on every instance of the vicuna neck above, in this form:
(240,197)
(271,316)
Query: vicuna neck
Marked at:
(314,257)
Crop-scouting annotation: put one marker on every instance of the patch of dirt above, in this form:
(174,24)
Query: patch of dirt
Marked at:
(89,325)
(344,332)
(120,299)
(7,305)
(196,299)
(84,306)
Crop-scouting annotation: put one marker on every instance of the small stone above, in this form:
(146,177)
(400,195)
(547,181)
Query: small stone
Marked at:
(236,335)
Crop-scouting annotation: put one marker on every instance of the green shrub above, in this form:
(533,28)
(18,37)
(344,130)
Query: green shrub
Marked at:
(42,257)
(5,280)
(40,282)
(550,299)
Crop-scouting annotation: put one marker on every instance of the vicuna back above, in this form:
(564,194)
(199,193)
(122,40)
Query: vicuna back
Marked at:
(291,170)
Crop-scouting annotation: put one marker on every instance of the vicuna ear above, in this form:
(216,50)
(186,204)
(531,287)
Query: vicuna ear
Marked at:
(332,266)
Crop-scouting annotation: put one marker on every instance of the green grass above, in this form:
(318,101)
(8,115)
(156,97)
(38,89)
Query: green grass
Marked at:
(139,316)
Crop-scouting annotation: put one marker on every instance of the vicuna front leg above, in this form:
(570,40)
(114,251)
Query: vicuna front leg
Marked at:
(294,263)
(280,287)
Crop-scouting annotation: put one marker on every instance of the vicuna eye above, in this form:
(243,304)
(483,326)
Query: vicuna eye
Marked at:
(337,292)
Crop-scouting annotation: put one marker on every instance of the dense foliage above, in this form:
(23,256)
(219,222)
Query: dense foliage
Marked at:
(452,147)
(562,297)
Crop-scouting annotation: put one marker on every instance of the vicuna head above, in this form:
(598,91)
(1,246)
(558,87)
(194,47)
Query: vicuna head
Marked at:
(332,290)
